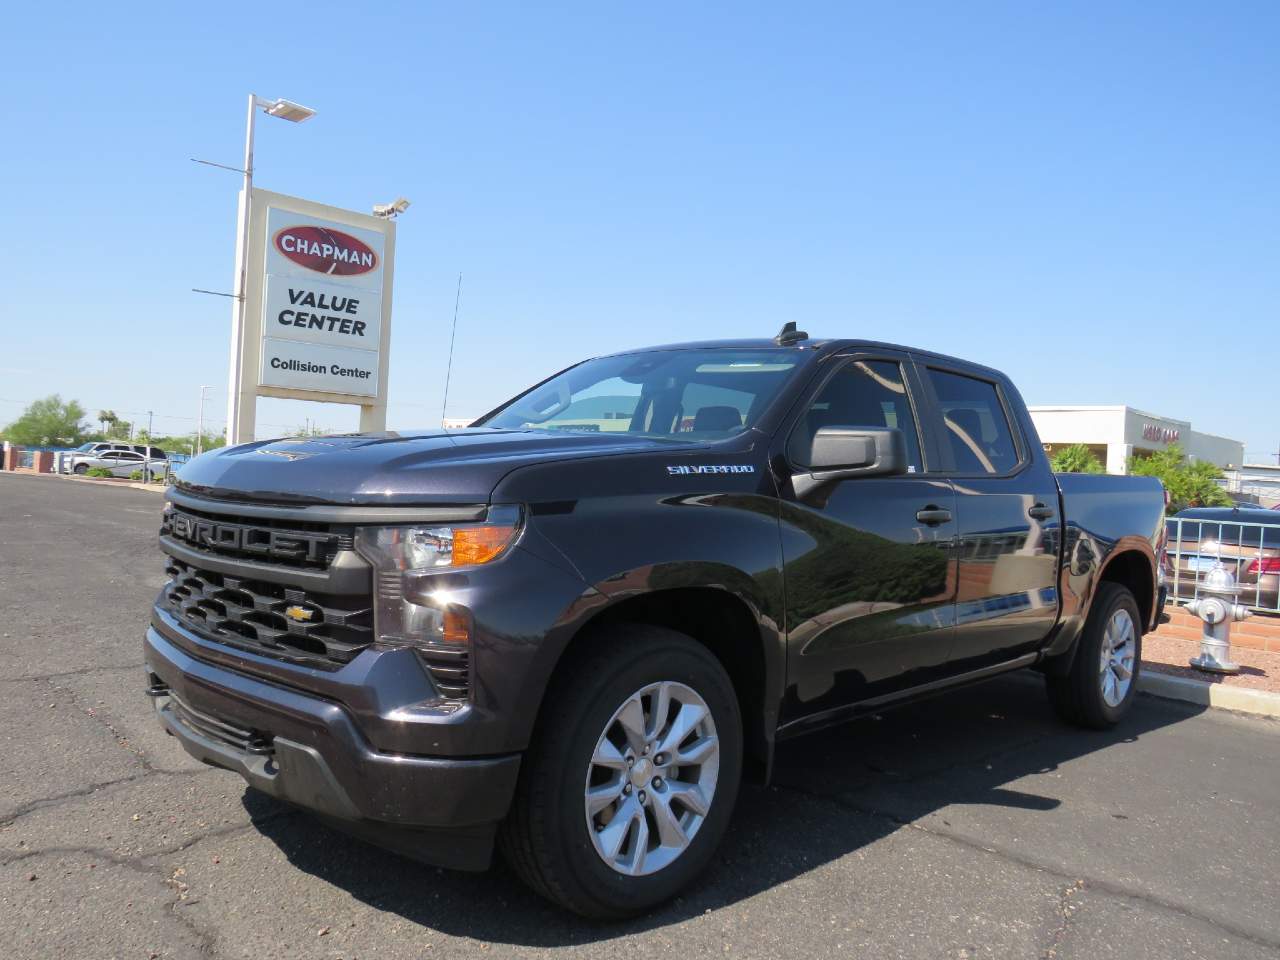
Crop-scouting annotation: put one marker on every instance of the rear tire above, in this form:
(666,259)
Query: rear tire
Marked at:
(654,697)
(1103,680)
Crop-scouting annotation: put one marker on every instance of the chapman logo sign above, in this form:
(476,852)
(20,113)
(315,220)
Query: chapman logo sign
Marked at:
(317,309)
(326,250)
(1153,431)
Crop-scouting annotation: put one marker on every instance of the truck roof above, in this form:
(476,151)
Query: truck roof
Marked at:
(819,346)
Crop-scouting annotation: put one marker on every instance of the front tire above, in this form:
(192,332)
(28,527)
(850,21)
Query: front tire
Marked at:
(629,784)
(1103,680)
(80,469)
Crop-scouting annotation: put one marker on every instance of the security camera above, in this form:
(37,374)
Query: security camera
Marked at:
(389,211)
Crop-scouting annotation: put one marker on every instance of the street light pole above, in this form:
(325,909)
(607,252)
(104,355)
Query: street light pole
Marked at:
(294,113)
(200,422)
(237,304)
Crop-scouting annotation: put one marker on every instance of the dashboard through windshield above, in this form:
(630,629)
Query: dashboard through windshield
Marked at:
(693,395)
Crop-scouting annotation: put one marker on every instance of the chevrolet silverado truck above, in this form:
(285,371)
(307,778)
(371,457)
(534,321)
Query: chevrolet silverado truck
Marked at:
(569,630)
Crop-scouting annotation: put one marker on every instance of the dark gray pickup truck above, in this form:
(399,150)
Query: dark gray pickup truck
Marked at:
(572,628)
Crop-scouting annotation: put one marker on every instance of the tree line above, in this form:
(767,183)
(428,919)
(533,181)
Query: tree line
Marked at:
(1191,483)
(54,422)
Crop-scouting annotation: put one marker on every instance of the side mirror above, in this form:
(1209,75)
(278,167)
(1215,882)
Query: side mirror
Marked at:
(837,453)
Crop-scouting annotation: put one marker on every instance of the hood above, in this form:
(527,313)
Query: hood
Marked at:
(456,466)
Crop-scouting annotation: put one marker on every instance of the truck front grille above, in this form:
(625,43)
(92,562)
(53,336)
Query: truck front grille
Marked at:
(281,542)
(279,621)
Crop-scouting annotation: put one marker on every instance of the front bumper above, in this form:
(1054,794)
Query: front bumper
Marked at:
(307,751)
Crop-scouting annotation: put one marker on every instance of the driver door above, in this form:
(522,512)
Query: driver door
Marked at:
(868,561)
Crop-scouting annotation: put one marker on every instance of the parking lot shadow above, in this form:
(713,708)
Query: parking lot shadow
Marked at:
(833,793)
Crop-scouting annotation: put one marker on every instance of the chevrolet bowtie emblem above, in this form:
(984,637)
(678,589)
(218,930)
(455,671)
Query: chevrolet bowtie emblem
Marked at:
(299,614)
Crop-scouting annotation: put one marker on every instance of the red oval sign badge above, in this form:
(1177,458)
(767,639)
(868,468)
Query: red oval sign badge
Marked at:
(326,250)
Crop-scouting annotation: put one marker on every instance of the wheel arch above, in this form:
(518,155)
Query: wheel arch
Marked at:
(1135,570)
(1128,565)
(731,627)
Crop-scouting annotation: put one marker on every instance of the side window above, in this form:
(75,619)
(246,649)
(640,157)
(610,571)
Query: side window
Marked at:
(110,455)
(864,393)
(977,429)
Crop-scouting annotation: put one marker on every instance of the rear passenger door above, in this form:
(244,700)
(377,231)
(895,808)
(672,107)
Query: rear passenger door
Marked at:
(1007,515)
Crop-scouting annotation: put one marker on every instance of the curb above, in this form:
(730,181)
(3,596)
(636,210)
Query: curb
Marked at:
(100,481)
(1260,703)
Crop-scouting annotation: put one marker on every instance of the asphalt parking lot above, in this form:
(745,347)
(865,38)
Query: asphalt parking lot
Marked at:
(970,826)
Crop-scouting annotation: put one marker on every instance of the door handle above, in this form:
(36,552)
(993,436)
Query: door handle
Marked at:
(932,516)
(1040,512)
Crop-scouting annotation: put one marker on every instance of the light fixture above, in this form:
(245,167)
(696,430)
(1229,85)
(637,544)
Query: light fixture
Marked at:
(288,110)
(389,211)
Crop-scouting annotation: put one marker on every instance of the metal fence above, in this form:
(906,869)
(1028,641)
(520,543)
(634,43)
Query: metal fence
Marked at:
(1249,551)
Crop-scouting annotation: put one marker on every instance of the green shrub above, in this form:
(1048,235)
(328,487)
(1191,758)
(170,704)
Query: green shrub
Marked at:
(98,472)
(1076,458)
(1190,484)
(136,475)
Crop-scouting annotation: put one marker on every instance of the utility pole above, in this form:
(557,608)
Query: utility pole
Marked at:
(200,422)
(146,453)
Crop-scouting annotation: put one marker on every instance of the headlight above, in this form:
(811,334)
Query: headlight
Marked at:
(406,608)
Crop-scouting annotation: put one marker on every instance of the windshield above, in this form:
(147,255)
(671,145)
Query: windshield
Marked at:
(676,394)
(85,447)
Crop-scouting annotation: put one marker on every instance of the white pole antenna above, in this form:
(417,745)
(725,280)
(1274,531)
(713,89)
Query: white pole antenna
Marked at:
(452,336)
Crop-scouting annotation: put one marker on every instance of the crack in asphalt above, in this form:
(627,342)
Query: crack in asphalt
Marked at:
(140,860)
(147,865)
(61,799)
(122,741)
(58,799)
(1066,911)
(83,671)
(1106,886)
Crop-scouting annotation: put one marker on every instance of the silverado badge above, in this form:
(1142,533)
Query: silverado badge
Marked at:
(299,614)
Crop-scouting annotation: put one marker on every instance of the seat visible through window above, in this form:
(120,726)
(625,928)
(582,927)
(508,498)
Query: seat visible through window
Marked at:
(717,418)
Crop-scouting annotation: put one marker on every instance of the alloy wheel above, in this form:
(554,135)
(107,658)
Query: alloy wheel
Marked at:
(1118,648)
(652,778)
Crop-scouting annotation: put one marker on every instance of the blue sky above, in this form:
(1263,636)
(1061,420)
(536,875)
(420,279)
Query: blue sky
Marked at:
(1086,195)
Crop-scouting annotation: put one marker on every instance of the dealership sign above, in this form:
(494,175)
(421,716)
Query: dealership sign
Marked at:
(321,306)
(317,308)
(1153,431)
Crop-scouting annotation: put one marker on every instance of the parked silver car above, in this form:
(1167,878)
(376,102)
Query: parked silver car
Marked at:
(121,463)
(96,447)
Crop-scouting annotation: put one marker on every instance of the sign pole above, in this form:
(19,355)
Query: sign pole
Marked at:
(236,406)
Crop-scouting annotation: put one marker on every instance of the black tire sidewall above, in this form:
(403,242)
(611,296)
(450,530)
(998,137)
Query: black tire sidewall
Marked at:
(1090,655)
(675,659)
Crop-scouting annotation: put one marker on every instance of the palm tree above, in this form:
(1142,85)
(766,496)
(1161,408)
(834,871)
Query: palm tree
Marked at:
(108,419)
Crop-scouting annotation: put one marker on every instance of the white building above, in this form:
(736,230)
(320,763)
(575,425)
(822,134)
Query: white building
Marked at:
(1116,433)
(1257,481)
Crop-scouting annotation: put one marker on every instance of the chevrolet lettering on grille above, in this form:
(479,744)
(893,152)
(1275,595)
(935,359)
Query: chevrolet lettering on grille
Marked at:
(244,538)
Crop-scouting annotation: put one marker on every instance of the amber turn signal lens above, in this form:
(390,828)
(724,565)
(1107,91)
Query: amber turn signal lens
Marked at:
(479,544)
(457,627)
